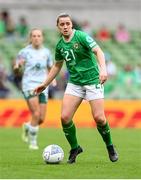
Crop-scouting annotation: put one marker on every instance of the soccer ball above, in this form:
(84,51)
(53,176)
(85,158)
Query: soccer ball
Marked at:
(53,154)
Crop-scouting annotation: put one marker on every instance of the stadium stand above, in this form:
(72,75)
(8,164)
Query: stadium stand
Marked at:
(120,54)
(97,12)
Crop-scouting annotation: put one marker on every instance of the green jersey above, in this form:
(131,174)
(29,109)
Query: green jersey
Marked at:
(80,60)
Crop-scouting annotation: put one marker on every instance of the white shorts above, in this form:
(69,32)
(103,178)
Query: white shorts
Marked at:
(88,92)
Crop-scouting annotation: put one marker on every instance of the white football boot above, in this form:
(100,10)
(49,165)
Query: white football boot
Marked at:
(33,147)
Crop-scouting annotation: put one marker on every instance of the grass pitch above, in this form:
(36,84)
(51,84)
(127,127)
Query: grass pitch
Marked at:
(18,162)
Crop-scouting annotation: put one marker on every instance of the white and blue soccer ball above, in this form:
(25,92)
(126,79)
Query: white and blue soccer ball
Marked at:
(53,154)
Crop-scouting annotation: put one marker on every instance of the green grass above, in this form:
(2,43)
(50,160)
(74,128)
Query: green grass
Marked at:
(18,162)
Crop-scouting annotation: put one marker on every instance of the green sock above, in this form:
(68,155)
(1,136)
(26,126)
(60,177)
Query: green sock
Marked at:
(70,134)
(105,133)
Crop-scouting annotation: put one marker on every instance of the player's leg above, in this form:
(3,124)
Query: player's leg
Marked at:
(26,125)
(25,131)
(43,108)
(69,106)
(97,107)
(43,99)
(95,96)
(34,107)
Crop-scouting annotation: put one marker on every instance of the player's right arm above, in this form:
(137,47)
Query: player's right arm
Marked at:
(20,60)
(52,74)
(18,65)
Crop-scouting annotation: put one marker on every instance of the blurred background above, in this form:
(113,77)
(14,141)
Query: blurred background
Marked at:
(115,25)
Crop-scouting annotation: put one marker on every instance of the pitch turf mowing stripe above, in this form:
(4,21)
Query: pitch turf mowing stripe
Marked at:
(18,162)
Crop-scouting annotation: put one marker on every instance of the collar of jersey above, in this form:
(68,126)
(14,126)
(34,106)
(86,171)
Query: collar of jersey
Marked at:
(70,36)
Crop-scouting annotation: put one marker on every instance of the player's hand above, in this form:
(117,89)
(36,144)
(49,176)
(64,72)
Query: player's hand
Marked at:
(16,68)
(39,89)
(103,76)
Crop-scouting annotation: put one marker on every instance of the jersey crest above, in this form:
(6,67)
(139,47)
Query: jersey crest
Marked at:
(76,45)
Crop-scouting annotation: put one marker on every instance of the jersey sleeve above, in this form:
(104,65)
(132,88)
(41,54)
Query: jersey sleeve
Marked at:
(58,56)
(21,56)
(88,41)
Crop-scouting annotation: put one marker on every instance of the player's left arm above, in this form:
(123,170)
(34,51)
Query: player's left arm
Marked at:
(91,44)
(102,65)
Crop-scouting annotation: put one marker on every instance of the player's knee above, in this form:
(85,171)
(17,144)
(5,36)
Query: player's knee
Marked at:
(65,118)
(100,119)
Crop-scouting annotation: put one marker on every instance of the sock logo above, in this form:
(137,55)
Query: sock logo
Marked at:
(106,131)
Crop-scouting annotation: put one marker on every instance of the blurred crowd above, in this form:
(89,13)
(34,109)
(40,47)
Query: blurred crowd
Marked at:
(10,29)
(126,77)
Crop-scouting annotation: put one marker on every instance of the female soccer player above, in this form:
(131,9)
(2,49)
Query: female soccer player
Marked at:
(86,65)
(37,61)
